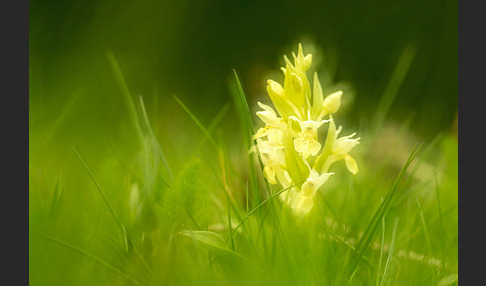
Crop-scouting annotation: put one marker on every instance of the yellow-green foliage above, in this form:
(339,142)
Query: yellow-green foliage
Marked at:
(187,198)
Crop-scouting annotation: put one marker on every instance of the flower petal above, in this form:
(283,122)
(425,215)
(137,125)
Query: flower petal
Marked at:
(351,164)
(270,174)
(332,102)
(300,145)
(314,147)
(302,205)
(269,118)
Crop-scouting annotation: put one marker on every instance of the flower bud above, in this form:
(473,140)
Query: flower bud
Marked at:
(269,118)
(307,61)
(332,102)
(275,89)
(296,83)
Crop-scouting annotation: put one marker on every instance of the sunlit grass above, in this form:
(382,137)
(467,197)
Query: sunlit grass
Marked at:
(146,206)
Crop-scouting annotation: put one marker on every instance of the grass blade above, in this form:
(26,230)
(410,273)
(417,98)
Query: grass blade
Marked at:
(89,255)
(100,190)
(214,123)
(244,111)
(390,253)
(108,205)
(198,123)
(397,77)
(241,104)
(247,130)
(264,202)
(126,93)
(157,145)
(381,251)
(365,241)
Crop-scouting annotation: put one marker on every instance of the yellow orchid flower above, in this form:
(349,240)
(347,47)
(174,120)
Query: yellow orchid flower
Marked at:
(306,144)
(285,147)
(340,149)
(283,104)
(303,201)
(269,116)
(273,159)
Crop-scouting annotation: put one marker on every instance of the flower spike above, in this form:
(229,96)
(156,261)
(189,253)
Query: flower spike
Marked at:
(292,152)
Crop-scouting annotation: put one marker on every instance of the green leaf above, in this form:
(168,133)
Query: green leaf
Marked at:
(211,241)
(448,280)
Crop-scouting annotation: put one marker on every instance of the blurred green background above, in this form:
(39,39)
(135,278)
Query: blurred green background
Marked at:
(395,60)
(189,48)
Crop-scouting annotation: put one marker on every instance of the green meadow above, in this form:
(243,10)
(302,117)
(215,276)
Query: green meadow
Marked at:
(141,124)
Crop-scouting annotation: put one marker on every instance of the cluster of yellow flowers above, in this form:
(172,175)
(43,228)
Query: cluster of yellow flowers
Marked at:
(289,146)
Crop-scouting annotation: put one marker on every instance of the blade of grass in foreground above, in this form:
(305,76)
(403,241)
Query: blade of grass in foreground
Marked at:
(243,112)
(134,114)
(441,225)
(365,241)
(198,123)
(156,143)
(390,253)
(397,77)
(381,250)
(66,110)
(100,190)
(264,202)
(126,93)
(425,153)
(247,130)
(214,123)
(218,147)
(425,229)
(125,232)
(89,255)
